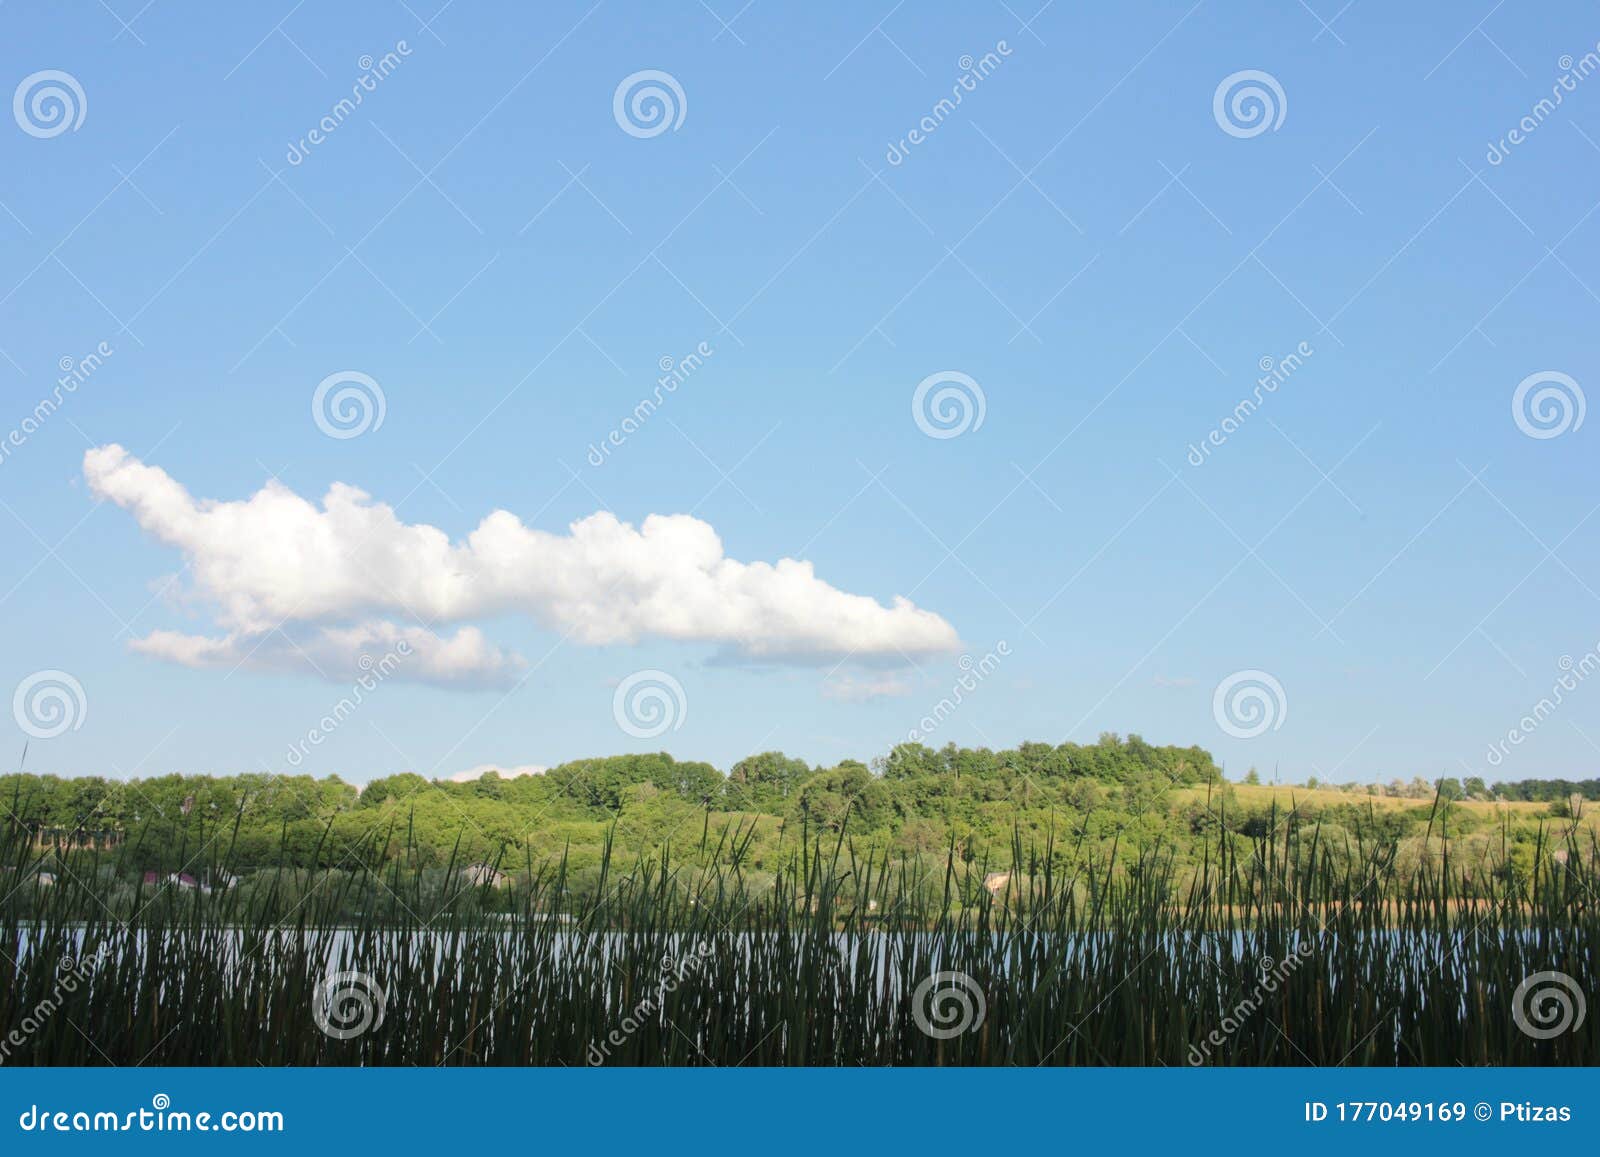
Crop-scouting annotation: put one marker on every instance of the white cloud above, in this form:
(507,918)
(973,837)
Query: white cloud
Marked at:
(506,771)
(864,689)
(338,653)
(277,558)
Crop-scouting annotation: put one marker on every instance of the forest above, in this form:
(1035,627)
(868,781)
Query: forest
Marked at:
(964,804)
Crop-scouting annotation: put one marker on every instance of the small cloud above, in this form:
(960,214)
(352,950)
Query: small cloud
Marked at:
(506,771)
(851,689)
(375,649)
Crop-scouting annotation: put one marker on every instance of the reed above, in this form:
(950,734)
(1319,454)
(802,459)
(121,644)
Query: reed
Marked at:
(1275,950)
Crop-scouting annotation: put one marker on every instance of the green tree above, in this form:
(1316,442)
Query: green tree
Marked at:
(766,782)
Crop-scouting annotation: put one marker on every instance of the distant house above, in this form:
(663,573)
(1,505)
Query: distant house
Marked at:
(177,879)
(996,882)
(479,875)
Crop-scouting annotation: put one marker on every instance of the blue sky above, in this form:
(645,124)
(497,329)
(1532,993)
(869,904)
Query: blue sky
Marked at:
(1080,236)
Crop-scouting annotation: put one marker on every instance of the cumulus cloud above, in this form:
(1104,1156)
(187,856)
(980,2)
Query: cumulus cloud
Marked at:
(277,558)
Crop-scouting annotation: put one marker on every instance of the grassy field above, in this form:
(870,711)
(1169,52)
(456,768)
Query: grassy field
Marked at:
(1287,796)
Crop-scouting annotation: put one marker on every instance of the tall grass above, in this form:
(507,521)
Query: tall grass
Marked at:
(1278,950)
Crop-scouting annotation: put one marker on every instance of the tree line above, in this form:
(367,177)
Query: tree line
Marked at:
(916,800)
